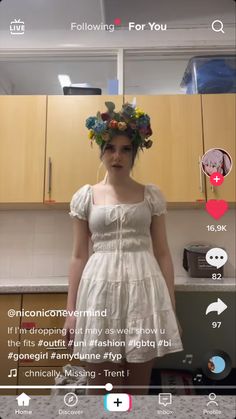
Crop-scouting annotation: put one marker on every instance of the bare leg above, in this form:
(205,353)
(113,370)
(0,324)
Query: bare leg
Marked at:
(138,374)
(102,376)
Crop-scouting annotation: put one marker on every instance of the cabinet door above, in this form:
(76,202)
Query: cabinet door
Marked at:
(172,162)
(50,345)
(8,337)
(22,148)
(73,161)
(219,132)
(37,302)
(52,342)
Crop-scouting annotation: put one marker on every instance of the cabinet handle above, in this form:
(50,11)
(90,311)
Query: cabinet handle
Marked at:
(212,189)
(49,175)
(200,174)
(28,325)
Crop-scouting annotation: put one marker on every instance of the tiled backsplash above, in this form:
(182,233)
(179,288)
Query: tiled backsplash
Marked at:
(37,243)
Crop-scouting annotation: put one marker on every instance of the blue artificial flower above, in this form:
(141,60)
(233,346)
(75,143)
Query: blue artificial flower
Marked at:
(90,122)
(99,127)
(143,121)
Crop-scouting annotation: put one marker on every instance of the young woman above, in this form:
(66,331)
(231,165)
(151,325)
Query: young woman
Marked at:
(126,287)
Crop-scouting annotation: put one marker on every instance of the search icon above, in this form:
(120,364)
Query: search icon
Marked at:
(217,26)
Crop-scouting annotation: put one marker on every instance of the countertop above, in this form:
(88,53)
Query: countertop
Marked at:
(60,285)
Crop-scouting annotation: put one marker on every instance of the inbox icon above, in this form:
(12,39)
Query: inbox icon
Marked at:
(117,402)
(17,27)
(165,399)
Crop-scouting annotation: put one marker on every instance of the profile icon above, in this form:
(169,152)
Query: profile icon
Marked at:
(212,398)
(216,160)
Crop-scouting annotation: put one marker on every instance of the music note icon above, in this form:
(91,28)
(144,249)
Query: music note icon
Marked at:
(13,372)
(198,378)
(188,359)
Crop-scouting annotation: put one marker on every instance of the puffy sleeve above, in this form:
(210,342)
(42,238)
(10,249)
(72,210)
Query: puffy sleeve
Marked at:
(80,202)
(156,200)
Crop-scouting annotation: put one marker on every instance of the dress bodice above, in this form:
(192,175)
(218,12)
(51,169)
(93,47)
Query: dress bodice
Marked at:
(118,227)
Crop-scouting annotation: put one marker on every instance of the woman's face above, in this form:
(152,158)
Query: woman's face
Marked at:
(117,156)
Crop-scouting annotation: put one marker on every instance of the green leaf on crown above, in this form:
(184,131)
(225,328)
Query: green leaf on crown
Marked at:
(99,116)
(110,106)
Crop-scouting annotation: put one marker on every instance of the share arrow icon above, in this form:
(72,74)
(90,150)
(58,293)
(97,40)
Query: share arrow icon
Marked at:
(218,306)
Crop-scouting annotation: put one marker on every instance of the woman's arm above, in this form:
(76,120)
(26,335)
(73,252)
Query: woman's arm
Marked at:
(80,255)
(162,253)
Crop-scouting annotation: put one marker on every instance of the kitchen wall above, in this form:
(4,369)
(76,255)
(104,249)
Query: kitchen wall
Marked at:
(6,87)
(163,75)
(38,243)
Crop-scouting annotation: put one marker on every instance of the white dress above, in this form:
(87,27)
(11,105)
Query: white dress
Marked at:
(122,281)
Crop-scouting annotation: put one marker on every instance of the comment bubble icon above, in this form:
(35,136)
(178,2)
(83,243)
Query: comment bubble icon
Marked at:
(165,398)
(216,257)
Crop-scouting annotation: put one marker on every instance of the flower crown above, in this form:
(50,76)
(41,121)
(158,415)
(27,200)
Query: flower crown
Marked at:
(130,120)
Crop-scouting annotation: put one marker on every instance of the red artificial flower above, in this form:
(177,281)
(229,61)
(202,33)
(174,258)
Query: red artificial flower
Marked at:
(148,131)
(105,116)
(143,130)
(113,124)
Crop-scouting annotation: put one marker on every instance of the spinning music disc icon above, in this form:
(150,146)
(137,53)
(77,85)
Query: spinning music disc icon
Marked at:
(217,365)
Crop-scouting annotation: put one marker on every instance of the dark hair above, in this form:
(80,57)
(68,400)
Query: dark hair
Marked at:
(127,134)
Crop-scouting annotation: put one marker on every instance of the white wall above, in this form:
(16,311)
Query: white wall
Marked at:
(39,243)
(157,75)
(41,77)
(6,86)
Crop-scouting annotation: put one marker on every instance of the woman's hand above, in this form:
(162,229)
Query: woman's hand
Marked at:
(69,327)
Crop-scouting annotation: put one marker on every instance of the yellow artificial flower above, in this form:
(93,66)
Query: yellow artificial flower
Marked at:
(138,112)
(91,134)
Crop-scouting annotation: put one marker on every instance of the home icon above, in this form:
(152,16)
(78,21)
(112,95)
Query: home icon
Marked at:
(23,399)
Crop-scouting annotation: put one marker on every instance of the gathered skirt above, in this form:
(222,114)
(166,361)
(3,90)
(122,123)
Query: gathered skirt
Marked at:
(124,310)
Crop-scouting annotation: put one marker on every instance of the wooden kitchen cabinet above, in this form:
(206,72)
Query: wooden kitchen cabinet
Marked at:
(37,302)
(53,340)
(30,302)
(73,161)
(219,132)
(8,302)
(39,164)
(22,148)
(172,162)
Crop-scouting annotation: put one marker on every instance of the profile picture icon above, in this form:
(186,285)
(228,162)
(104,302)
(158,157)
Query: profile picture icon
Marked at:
(216,160)
(217,365)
